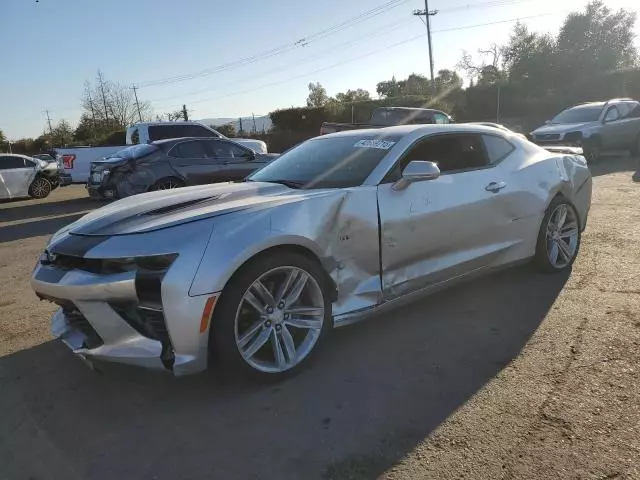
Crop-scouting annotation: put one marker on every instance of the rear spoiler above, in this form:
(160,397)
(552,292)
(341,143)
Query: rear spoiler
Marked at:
(569,150)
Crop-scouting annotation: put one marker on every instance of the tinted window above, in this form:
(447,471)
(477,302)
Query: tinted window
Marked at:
(612,115)
(192,149)
(579,115)
(328,162)
(452,153)
(162,132)
(497,148)
(227,149)
(135,136)
(401,117)
(7,162)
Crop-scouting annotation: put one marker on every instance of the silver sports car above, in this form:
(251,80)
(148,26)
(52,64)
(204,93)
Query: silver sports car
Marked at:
(253,275)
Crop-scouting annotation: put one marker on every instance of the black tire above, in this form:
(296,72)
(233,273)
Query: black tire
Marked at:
(40,188)
(224,353)
(592,150)
(167,184)
(541,259)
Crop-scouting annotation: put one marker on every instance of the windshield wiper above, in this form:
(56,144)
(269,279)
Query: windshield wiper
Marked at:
(288,183)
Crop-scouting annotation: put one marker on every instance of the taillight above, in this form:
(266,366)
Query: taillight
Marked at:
(68,160)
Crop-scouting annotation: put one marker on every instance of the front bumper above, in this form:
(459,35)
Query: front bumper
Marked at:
(109,316)
(65,179)
(102,191)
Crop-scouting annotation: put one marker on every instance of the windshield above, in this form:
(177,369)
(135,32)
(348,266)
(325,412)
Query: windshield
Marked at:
(136,151)
(388,117)
(579,115)
(328,162)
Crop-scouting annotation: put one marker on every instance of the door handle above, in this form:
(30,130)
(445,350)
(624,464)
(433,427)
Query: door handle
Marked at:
(495,187)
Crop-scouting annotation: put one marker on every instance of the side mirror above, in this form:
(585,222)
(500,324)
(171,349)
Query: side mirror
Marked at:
(417,171)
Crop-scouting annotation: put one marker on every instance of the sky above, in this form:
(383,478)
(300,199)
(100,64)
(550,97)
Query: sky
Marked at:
(50,47)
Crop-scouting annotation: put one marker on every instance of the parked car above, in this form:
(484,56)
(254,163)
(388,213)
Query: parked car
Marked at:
(254,275)
(64,178)
(175,163)
(152,131)
(23,176)
(594,126)
(390,116)
(77,160)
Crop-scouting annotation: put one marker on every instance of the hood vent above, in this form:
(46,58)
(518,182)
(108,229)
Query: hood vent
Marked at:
(179,206)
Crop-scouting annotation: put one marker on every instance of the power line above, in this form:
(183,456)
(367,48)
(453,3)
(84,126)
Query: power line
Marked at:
(403,42)
(281,49)
(384,30)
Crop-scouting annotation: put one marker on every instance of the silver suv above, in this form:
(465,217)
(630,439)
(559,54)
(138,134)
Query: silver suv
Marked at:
(595,126)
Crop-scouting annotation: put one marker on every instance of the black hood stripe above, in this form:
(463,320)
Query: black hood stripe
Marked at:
(77,245)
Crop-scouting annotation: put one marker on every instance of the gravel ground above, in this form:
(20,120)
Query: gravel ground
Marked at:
(517,375)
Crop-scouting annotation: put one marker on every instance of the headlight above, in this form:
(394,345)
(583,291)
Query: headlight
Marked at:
(106,172)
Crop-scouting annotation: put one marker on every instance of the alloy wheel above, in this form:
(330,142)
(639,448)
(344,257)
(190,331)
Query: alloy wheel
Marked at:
(168,185)
(562,236)
(40,188)
(279,319)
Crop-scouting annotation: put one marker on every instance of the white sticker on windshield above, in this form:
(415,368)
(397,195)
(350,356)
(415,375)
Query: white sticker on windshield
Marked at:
(381,144)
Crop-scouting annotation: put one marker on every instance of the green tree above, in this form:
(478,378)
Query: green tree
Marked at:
(2,137)
(351,96)
(448,80)
(596,40)
(317,95)
(61,134)
(389,88)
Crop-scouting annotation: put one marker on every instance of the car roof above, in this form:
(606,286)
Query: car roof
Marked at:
(427,129)
(167,141)
(165,122)
(19,155)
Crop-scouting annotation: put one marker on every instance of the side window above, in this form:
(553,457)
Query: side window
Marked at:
(198,131)
(135,136)
(634,110)
(612,115)
(452,153)
(221,148)
(497,148)
(191,149)
(9,162)
(440,118)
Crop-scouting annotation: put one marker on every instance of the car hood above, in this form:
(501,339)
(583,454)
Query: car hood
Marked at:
(561,128)
(156,210)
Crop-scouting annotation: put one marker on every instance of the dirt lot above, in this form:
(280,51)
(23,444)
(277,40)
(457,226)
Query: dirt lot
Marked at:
(518,375)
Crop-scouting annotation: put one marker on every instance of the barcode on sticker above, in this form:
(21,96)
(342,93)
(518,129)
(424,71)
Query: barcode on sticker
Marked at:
(381,144)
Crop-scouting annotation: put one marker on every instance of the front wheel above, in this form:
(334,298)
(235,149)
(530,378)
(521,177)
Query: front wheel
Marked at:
(166,184)
(592,151)
(559,237)
(272,316)
(40,188)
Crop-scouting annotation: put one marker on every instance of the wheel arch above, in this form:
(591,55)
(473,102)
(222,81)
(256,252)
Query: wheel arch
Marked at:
(292,246)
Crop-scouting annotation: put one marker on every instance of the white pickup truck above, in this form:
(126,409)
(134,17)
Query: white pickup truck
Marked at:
(77,160)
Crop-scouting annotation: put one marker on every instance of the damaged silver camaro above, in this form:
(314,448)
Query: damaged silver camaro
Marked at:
(253,275)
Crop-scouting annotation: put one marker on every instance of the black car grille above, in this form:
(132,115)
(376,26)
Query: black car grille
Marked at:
(92,265)
(146,321)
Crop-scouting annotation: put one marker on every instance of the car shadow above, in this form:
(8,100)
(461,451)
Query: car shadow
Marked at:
(9,213)
(614,163)
(35,228)
(370,396)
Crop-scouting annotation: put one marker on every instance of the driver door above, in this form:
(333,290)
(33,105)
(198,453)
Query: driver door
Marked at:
(436,230)
(16,175)
(612,133)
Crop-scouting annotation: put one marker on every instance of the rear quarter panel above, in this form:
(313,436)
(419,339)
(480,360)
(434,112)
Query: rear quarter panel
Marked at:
(83,158)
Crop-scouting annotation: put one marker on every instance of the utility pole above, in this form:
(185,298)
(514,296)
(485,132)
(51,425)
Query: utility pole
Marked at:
(240,121)
(428,14)
(135,94)
(49,122)
(185,115)
(254,123)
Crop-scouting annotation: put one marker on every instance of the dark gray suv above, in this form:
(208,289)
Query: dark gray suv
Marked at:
(172,163)
(595,126)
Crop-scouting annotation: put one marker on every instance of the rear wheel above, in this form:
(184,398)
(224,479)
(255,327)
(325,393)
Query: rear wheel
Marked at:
(272,316)
(166,184)
(40,188)
(635,150)
(559,237)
